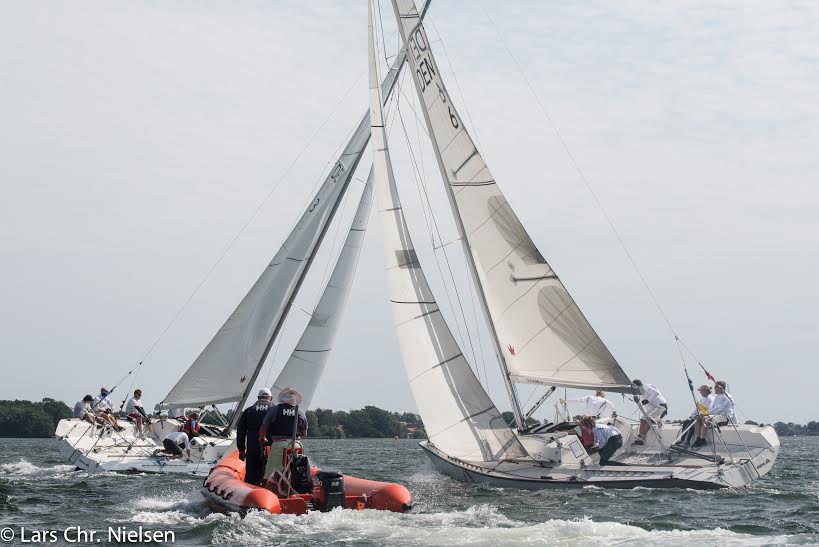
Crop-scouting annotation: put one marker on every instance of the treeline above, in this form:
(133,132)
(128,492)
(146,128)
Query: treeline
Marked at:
(29,419)
(369,421)
(790,429)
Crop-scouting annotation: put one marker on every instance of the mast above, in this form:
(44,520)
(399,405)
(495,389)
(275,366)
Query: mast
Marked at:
(473,270)
(459,416)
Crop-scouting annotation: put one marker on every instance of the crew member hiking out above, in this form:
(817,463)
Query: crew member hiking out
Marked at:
(277,429)
(654,405)
(247,436)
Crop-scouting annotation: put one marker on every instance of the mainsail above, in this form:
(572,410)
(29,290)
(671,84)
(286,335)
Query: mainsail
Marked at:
(227,368)
(306,364)
(459,417)
(540,333)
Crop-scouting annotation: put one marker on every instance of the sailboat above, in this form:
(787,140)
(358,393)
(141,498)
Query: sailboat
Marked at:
(227,369)
(539,334)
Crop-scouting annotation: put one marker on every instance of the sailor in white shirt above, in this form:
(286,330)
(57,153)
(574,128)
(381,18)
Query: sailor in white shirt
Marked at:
(104,408)
(595,405)
(721,412)
(654,405)
(136,412)
(174,443)
(82,410)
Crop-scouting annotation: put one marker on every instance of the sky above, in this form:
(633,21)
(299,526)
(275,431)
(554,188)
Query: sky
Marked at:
(155,155)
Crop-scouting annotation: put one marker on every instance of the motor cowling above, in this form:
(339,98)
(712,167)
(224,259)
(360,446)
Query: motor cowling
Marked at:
(331,490)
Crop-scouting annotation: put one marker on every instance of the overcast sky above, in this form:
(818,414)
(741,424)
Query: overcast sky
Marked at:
(138,138)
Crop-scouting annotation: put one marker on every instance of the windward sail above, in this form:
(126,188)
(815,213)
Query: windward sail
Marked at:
(459,417)
(542,334)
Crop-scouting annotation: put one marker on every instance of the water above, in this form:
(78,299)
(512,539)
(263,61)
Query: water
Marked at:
(37,490)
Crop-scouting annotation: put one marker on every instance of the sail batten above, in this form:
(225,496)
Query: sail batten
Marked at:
(540,333)
(459,417)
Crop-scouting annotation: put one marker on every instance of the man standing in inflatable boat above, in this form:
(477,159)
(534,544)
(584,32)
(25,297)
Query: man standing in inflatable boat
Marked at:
(277,429)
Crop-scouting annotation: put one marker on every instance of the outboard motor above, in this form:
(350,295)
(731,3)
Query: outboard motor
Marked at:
(332,490)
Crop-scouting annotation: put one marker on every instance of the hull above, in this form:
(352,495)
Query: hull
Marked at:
(225,490)
(95,449)
(559,461)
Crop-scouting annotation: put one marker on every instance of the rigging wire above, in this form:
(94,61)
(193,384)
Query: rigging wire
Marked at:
(431,224)
(441,246)
(420,187)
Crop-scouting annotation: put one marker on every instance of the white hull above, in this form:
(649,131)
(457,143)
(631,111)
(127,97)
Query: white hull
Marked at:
(95,449)
(560,461)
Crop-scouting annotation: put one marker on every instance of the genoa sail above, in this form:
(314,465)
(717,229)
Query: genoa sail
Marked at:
(227,368)
(303,370)
(541,334)
(459,417)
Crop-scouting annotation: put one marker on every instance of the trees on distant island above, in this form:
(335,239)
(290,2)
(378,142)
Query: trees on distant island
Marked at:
(790,429)
(31,419)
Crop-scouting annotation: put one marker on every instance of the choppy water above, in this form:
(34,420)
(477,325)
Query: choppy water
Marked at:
(37,490)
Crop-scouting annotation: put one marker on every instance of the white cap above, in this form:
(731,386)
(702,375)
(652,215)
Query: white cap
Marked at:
(290,396)
(264,392)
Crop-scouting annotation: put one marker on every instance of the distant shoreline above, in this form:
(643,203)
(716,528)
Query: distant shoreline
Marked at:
(21,419)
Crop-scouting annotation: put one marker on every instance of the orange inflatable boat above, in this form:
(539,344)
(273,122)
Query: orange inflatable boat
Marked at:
(225,490)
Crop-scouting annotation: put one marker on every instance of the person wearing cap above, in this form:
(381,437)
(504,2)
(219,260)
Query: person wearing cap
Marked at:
(721,412)
(247,436)
(277,429)
(104,408)
(82,410)
(654,405)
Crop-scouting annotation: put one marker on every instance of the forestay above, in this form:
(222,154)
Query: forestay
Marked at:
(459,417)
(542,335)
(304,369)
(228,366)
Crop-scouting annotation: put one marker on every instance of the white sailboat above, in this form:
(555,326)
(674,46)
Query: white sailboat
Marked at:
(227,369)
(539,333)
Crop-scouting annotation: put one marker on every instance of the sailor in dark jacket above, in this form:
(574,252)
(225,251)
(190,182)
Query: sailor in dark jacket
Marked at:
(249,425)
(277,428)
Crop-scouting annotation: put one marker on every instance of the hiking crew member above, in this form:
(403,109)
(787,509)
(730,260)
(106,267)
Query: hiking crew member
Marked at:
(607,439)
(277,429)
(104,408)
(720,413)
(596,405)
(82,410)
(192,425)
(654,405)
(248,427)
(135,411)
(698,417)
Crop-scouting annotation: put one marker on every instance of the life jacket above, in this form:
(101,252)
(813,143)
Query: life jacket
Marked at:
(188,426)
(254,415)
(282,424)
(587,436)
